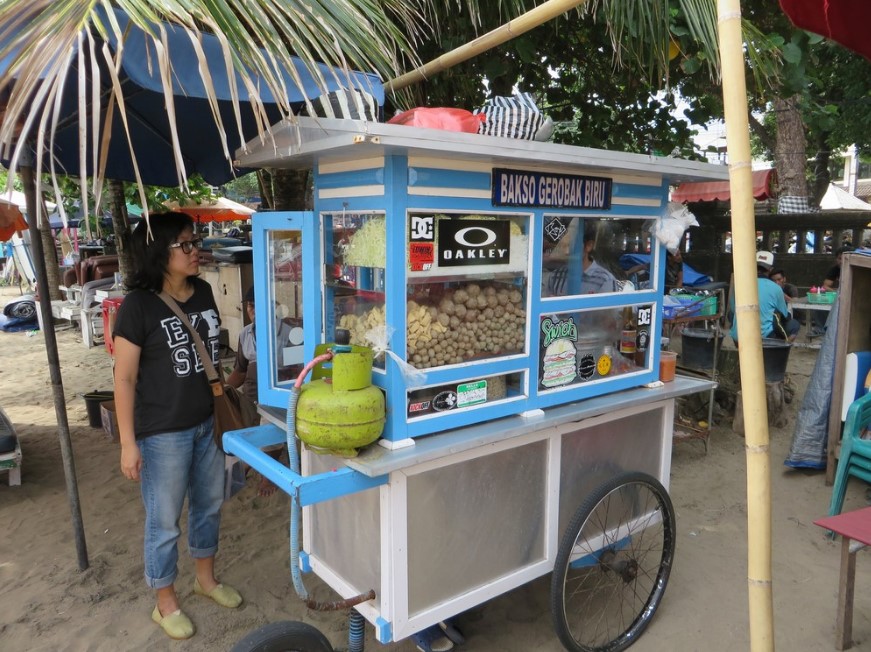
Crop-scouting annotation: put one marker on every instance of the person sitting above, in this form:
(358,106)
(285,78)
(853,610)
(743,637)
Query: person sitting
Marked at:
(790,292)
(830,284)
(594,278)
(674,271)
(244,374)
(773,312)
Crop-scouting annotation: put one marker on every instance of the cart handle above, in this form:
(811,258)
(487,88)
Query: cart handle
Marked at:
(246,444)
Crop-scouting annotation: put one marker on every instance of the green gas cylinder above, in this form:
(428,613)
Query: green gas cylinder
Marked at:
(343,411)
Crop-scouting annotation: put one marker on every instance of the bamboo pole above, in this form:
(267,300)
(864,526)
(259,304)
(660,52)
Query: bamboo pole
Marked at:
(34,208)
(749,331)
(520,25)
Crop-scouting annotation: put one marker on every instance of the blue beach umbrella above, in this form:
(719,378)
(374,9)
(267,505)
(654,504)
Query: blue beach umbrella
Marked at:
(201,143)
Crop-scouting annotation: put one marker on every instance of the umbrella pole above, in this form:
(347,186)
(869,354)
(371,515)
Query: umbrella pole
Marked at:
(27,179)
(749,332)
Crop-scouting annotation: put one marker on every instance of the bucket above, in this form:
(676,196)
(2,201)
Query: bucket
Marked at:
(92,405)
(775,355)
(697,348)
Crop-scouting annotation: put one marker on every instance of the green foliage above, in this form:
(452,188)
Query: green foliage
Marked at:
(155,196)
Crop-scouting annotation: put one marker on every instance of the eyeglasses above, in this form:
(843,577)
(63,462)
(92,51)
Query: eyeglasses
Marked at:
(188,246)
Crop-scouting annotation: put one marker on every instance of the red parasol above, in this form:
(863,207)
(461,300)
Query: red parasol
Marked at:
(843,21)
(218,210)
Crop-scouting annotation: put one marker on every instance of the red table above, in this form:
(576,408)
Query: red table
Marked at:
(855,528)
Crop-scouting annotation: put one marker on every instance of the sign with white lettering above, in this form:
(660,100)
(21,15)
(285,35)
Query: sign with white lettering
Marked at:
(473,242)
(522,188)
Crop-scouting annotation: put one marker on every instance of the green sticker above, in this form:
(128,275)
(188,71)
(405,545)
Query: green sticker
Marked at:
(472,393)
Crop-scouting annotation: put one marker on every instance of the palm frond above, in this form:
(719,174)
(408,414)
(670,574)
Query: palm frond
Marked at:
(42,40)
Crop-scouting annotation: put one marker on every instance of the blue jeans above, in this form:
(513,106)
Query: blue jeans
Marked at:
(175,465)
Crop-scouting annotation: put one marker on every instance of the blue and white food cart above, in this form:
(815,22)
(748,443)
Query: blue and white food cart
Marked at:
(526,431)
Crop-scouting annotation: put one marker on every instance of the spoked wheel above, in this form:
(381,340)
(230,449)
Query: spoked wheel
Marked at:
(613,564)
(286,636)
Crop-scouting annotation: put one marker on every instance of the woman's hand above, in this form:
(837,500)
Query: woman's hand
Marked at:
(131,461)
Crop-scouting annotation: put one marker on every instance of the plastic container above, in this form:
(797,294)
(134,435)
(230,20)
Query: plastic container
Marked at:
(667,365)
(707,307)
(92,405)
(821,297)
(775,355)
(697,348)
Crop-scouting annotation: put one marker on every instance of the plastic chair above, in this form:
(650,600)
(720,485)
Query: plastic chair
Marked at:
(855,458)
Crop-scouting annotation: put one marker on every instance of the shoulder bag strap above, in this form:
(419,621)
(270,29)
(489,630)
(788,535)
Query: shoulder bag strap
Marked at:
(211,372)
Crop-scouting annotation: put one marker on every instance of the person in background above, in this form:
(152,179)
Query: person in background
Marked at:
(790,292)
(244,374)
(773,311)
(165,413)
(673,270)
(833,276)
(594,279)
(831,283)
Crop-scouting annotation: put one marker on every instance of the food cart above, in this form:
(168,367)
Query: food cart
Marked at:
(520,372)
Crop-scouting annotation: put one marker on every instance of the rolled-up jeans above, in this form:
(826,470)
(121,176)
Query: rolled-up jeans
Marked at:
(174,465)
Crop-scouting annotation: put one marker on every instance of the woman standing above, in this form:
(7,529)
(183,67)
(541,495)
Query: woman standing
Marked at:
(164,407)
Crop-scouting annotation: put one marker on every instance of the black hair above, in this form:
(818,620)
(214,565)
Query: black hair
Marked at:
(844,250)
(776,271)
(150,253)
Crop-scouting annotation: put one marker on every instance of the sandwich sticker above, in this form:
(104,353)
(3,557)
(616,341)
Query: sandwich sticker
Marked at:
(559,365)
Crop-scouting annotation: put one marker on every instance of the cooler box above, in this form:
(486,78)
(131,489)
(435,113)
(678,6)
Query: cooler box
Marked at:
(110,308)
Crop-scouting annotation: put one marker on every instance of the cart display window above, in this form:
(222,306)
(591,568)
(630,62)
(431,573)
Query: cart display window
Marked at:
(354,268)
(589,345)
(583,256)
(466,394)
(484,315)
(285,261)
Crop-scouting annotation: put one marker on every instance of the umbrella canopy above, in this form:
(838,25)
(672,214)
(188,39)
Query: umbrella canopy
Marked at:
(844,21)
(200,141)
(217,210)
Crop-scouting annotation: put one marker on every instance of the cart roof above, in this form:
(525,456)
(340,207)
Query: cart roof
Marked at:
(304,141)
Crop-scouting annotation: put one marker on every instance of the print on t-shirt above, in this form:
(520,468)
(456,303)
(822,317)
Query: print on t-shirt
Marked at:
(183,351)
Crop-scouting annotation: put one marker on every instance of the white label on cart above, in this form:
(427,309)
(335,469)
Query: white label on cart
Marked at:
(472,393)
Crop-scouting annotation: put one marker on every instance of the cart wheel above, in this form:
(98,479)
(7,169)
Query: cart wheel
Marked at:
(286,636)
(613,564)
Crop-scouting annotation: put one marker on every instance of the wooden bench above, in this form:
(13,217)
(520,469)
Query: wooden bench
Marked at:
(855,530)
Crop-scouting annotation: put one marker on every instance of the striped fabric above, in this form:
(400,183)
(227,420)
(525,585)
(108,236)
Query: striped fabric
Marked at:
(347,104)
(511,117)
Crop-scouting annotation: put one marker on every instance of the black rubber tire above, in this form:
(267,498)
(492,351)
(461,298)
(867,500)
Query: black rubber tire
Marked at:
(605,604)
(284,636)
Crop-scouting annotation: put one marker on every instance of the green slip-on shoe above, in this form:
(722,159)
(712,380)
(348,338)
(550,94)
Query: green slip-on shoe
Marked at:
(224,595)
(176,625)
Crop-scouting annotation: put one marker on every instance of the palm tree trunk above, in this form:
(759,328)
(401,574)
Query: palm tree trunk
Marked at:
(121,226)
(52,266)
(290,189)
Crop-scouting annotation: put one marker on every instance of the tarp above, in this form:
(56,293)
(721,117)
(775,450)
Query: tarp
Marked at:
(689,192)
(844,21)
(839,199)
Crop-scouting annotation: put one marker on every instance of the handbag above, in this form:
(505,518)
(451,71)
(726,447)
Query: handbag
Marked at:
(230,410)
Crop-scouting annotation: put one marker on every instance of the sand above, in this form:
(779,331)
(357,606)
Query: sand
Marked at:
(48,604)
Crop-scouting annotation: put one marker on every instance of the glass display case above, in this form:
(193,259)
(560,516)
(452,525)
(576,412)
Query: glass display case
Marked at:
(488,283)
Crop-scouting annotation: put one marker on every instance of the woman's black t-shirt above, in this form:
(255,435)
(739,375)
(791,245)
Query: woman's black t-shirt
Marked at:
(172,391)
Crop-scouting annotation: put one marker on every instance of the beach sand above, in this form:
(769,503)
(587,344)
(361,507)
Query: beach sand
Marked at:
(48,604)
